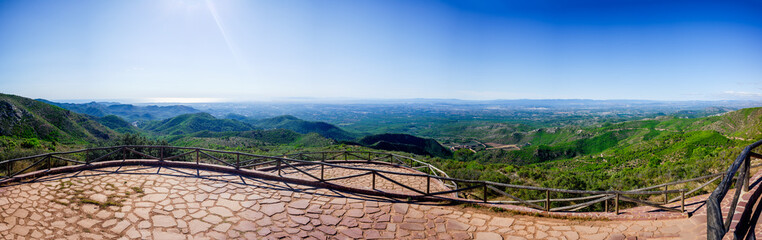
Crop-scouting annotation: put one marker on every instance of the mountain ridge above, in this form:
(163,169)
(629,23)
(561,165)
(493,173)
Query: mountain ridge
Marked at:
(301,126)
(128,112)
(195,122)
(405,143)
(27,118)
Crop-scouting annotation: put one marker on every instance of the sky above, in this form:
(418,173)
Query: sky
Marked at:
(236,50)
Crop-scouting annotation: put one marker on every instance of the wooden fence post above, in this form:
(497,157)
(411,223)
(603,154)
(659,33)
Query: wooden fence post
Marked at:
(322,171)
(547,200)
(484,191)
(373,180)
(606,205)
(428,184)
(237,161)
(616,204)
(682,200)
(278,167)
(666,188)
(198,172)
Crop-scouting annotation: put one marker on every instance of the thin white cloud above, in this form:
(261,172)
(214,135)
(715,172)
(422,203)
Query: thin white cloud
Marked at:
(486,95)
(181,100)
(741,95)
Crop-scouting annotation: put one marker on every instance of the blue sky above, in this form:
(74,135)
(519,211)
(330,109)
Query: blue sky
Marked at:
(235,50)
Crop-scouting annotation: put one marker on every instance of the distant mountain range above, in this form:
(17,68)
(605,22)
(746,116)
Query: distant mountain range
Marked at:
(127,111)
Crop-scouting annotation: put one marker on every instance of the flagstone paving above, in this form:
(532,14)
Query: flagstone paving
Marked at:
(171,203)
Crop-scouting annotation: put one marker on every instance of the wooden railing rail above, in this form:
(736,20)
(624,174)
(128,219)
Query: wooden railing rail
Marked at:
(278,164)
(374,156)
(717,227)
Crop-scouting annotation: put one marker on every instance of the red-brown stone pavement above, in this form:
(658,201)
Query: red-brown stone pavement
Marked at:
(172,203)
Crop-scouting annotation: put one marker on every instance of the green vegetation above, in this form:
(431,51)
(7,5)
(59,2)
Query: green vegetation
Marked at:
(260,140)
(192,123)
(405,143)
(24,118)
(301,126)
(117,124)
(618,156)
(101,205)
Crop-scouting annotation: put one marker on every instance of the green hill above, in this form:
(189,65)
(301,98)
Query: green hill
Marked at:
(250,139)
(405,143)
(301,126)
(191,123)
(117,124)
(744,123)
(26,118)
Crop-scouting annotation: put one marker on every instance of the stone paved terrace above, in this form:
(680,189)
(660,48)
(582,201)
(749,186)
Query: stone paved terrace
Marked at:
(171,203)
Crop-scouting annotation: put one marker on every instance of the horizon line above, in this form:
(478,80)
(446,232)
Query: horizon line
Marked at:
(164,101)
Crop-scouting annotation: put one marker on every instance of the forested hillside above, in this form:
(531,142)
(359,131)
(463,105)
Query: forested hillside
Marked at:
(191,123)
(26,118)
(301,126)
(117,124)
(266,142)
(405,143)
(622,156)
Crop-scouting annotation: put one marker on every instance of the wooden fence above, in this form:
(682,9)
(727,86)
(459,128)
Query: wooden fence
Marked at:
(498,192)
(717,227)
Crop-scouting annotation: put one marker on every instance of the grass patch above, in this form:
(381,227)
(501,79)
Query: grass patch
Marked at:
(89,201)
(60,202)
(64,184)
(100,204)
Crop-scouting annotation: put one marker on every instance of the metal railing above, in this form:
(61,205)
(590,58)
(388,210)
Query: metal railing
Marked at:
(717,227)
(239,160)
